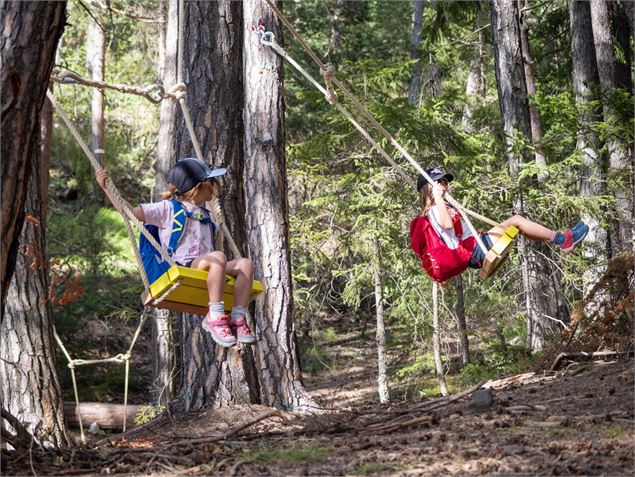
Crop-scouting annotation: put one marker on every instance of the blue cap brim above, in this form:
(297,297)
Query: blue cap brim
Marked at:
(216,172)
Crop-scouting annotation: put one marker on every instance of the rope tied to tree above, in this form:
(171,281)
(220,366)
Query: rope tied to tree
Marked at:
(176,92)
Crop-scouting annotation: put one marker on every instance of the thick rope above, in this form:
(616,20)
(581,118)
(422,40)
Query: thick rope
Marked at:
(377,125)
(118,200)
(67,77)
(137,253)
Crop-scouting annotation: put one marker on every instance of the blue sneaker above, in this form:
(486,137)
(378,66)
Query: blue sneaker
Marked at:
(573,236)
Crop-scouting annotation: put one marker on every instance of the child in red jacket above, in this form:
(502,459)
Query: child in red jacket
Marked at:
(446,247)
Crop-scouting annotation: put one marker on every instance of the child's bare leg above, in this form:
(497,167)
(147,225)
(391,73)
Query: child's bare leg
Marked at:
(243,270)
(215,263)
(529,229)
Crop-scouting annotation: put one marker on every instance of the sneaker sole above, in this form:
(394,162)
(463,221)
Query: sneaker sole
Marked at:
(569,249)
(217,340)
(248,340)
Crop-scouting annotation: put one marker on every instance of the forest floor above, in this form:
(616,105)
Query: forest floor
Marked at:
(577,420)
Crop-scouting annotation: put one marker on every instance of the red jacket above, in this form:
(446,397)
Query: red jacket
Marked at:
(440,261)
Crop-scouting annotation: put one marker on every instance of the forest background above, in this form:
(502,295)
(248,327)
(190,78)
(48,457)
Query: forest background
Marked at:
(433,84)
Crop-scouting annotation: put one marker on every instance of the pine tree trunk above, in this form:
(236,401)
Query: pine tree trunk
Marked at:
(534,116)
(210,374)
(543,310)
(460,320)
(622,22)
(620,160)
(268,216)
(475,84)
(335,40)
(380,335)
(436,340)
(585,76)
(29,385)
(415,41)
(95,53)
(29,33)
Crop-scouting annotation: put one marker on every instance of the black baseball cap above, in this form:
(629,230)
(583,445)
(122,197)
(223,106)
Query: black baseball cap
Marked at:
(188,172)
(435,174)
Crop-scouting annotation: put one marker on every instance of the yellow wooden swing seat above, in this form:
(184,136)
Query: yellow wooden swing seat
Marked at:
(498,253)
(184,289)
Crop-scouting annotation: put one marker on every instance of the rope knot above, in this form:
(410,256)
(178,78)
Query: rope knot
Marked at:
(120,358)
(328,73)
(177,91)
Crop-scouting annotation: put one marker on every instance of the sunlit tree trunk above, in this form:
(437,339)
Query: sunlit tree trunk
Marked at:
(415,41)
(544,312)
(335,39)
(619,152)
(95,54)
(29,32)
(585,79)
(268,217)
(380,335)
(436,340)
(29,385)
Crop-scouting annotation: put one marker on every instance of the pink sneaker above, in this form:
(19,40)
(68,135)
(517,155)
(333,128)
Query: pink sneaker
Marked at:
(219,329)
(242,331)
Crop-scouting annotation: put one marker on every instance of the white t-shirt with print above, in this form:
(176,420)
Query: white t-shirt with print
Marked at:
(196,239)
(447,235)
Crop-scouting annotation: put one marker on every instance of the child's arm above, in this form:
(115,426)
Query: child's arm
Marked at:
(444,216)
(102,177)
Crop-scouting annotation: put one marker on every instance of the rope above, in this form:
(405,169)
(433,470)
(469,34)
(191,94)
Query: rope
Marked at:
(118,358)
(67,77)
(377,125)
(118,201)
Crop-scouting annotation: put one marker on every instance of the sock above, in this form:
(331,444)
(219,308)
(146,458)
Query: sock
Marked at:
(216,309)
(237,312)
(558,238)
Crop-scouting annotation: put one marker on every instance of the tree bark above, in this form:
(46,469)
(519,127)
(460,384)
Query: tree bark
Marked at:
(28,39)
(475,84)
(534,116)
(29,385)
(436,340)
(108,416)
(335,39)
(415,41)
(460,320)
(380,335)
(210,374)
(620,162)
(542,306)
(95,53)
(622,21)
(585,81)
(268,216)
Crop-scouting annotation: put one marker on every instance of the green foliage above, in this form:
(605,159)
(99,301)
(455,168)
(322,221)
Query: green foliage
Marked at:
(146,413)
(496,362)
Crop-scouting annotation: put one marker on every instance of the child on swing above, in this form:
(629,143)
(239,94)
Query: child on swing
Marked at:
(447,247)
(193,183)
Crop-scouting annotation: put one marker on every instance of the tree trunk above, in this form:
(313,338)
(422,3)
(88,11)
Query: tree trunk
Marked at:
(622,22)
(380,336)
(268,216)
(475,84)
(534,116)
(585,77)
(460,320)
(29,388)
(108,416)
(620,164)
(542,307)
(415,41)
(28,39)
(210,374)
(335,40)
(436,340)
(95,53)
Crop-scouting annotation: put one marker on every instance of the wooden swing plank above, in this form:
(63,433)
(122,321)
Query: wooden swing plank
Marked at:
(191,295)
(498,253)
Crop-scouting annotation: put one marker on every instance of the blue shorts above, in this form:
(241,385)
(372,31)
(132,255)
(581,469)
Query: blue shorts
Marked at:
(477,255)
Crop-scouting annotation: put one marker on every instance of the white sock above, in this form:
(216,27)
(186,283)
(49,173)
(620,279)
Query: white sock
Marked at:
(216,310)
(238,312)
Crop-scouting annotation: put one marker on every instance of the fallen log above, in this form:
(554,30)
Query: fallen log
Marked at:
(108,416)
